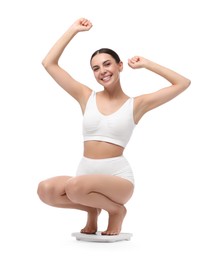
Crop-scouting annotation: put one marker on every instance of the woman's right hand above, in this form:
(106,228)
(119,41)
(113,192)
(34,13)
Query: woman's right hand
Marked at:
(82,24)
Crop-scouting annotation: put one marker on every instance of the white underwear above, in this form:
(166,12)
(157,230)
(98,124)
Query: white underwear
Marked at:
(115,166)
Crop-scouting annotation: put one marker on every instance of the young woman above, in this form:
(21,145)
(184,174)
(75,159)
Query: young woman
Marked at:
(104,179)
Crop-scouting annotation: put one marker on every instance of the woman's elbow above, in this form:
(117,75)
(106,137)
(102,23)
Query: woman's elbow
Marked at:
(186,83)
(45,63)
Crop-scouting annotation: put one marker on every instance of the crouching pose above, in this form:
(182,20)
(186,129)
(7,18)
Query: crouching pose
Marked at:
(104,178)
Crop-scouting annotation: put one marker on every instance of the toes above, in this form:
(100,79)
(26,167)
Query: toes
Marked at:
(87,231)
(109,233)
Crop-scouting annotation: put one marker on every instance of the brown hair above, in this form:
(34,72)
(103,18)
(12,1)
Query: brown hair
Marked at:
(108,51)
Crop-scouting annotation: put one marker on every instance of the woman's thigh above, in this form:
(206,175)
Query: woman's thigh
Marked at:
(115,188)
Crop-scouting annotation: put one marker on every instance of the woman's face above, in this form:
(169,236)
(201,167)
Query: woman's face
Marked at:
(106,69)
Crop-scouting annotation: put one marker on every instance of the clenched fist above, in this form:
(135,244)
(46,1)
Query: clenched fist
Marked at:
(82,24)
(137,62)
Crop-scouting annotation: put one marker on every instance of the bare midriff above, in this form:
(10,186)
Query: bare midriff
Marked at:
(101,150)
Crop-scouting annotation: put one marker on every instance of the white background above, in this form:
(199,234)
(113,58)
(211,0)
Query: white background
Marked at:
(173,152)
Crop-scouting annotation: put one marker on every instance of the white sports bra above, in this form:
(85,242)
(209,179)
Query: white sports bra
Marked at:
(115,128)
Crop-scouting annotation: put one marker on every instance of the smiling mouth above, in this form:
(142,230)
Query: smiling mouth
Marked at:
(107,78)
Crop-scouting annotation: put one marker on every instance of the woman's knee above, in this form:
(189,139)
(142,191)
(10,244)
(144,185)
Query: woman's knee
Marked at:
(46,192)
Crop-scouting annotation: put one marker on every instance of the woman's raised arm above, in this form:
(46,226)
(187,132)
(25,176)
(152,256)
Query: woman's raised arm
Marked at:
(146,102)
(77,90)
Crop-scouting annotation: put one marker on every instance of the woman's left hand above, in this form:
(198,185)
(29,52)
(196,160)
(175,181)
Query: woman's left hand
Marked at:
(137,62)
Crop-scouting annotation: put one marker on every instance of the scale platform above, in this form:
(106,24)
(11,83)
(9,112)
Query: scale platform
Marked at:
(98,237)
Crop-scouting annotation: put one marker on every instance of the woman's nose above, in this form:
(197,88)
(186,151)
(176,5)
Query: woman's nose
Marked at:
(102,70)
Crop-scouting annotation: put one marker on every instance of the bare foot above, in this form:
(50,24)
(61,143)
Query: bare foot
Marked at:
(115,222)
(91,225)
